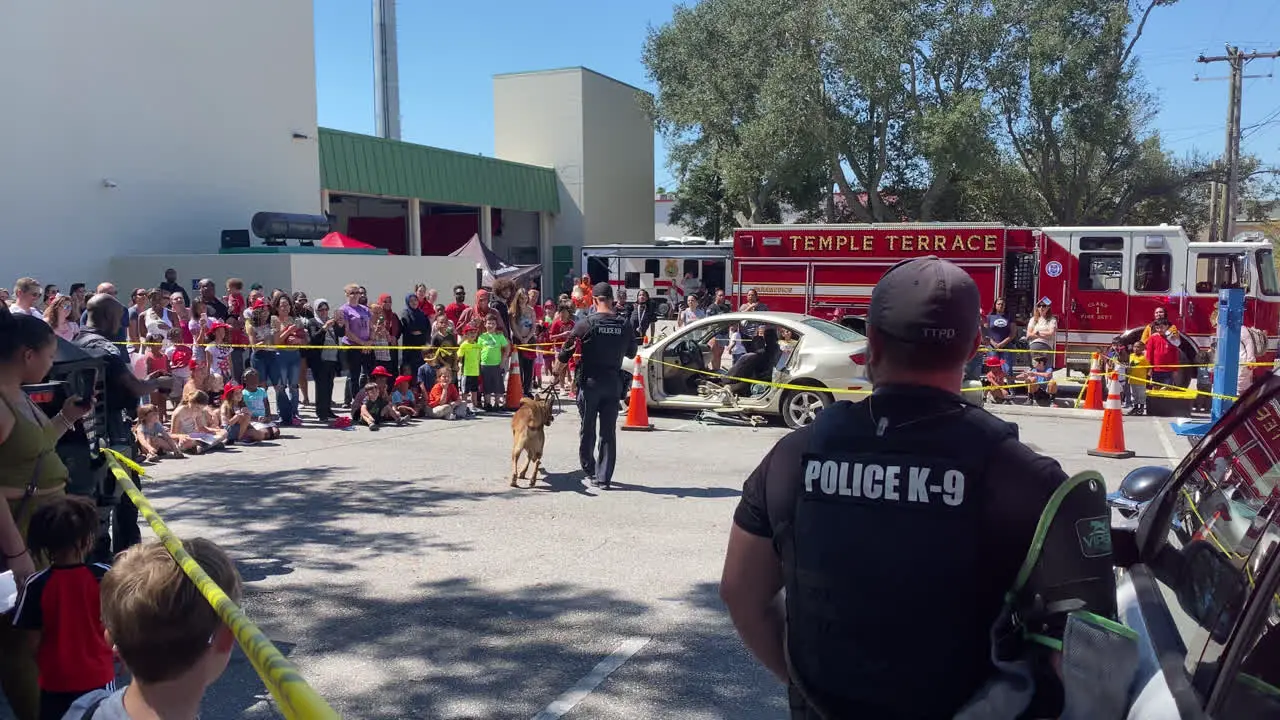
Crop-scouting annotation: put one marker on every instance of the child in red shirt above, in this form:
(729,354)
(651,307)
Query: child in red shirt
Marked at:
(444,400)
(559,333)
(996,379)
(60,604)
(158,362)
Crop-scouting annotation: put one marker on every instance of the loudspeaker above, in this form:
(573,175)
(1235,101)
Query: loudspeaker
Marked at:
(278,226)
(235,239)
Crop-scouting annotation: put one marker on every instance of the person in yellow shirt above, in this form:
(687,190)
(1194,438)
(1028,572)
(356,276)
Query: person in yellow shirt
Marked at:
(1139,367)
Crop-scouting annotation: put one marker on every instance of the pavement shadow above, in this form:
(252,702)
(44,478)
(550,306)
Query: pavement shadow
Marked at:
(452,649)
(563,482)
(315,517)
(680,492)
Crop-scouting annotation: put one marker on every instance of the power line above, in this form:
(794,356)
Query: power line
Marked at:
(1237,61)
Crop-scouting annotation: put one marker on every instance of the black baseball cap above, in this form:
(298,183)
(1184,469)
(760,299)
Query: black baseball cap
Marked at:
(602,290)
(926,301)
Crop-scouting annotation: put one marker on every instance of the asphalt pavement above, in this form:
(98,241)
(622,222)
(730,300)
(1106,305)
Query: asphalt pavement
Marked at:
(406,579)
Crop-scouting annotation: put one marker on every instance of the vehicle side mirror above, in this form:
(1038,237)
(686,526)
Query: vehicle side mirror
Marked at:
(1209,588)
(1138,489)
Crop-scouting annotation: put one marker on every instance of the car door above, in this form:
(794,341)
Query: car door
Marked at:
(1207,633)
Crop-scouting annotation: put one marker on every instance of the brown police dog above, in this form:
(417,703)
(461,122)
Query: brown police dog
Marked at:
(528,436)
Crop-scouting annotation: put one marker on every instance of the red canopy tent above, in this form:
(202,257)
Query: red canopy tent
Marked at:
(338,240)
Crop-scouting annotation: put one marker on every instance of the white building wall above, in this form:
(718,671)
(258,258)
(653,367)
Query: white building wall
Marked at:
(591,129)
(537,119)
(188,108)
(662,225)
(618,162)
(519,232)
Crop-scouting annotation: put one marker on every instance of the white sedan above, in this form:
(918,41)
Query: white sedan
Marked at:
(820,362)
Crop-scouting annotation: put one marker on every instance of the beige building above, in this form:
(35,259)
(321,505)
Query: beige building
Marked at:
(594,131)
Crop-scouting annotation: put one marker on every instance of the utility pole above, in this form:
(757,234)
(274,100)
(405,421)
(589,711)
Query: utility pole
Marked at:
(1237,60)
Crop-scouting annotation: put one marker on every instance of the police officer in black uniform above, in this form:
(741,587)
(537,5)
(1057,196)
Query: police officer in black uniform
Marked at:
(898,523)
(122,390)
(606,338)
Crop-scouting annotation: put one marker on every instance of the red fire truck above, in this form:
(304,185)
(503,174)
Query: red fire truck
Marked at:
(1100,282)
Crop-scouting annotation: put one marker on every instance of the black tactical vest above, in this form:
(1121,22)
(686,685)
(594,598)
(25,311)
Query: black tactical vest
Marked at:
(885,526)
(604,347)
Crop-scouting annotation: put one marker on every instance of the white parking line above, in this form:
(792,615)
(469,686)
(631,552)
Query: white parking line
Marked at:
(592,680)
(1163,433)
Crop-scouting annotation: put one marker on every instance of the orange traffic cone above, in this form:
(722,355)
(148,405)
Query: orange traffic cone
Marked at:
(637,404)
(1111,440)
(515,388)
(1093,388)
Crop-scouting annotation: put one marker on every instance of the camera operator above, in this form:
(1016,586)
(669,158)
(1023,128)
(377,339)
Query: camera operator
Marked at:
(121,393)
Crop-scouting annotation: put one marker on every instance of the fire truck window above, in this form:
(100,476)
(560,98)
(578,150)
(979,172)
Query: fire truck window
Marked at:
(1101,243)
(1100,271)
(1267,282)
(691,268)
(651,267)
(1151,272)
(1215,271)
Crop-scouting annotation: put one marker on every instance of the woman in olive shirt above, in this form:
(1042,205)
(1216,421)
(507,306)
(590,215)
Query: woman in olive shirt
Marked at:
(27,440)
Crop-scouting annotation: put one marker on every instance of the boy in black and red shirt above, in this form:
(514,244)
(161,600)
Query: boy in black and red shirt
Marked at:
(61,604)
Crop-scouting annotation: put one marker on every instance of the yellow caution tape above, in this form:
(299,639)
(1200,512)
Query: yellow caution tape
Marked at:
(295,698)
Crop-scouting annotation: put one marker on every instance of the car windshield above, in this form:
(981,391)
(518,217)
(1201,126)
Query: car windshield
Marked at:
(1231,501)
(839,332)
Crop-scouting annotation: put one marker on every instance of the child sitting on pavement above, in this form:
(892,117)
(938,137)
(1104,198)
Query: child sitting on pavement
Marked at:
(377,406)
(237,420)
(154,440)
(405,401)
(1041,386)
(995,380)
(255,398)
(189,424)
(444,399)
(168,636)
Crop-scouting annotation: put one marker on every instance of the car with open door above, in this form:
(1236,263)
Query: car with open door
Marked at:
(1198,570)
(818,363)
(815,357)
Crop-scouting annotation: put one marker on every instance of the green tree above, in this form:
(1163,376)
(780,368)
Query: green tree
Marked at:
(701,206)
(735,94)
(1074,113)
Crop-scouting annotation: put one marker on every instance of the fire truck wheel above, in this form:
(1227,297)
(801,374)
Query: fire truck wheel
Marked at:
(801,407)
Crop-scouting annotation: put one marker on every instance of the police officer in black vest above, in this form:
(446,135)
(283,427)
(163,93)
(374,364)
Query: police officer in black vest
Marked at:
(122,390)
(606,338)
(897,524)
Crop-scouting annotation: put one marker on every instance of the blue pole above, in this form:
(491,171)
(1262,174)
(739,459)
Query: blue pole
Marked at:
(1227,366)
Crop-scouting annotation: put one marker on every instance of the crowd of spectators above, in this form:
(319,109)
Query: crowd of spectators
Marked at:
(237,362)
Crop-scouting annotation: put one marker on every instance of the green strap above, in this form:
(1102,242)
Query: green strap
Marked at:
(1257,684)
(1042,528)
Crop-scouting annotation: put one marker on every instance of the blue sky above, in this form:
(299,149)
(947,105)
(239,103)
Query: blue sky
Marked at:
(449,53)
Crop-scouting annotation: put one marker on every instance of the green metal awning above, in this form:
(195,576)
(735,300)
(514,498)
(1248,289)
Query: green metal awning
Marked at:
(369,165)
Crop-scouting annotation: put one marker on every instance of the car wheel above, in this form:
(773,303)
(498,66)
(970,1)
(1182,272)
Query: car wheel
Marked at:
(801,407)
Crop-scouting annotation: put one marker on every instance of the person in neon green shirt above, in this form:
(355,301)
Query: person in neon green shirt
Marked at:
(494,349)
(469,357)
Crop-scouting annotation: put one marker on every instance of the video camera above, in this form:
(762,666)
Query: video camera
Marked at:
(76,372)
